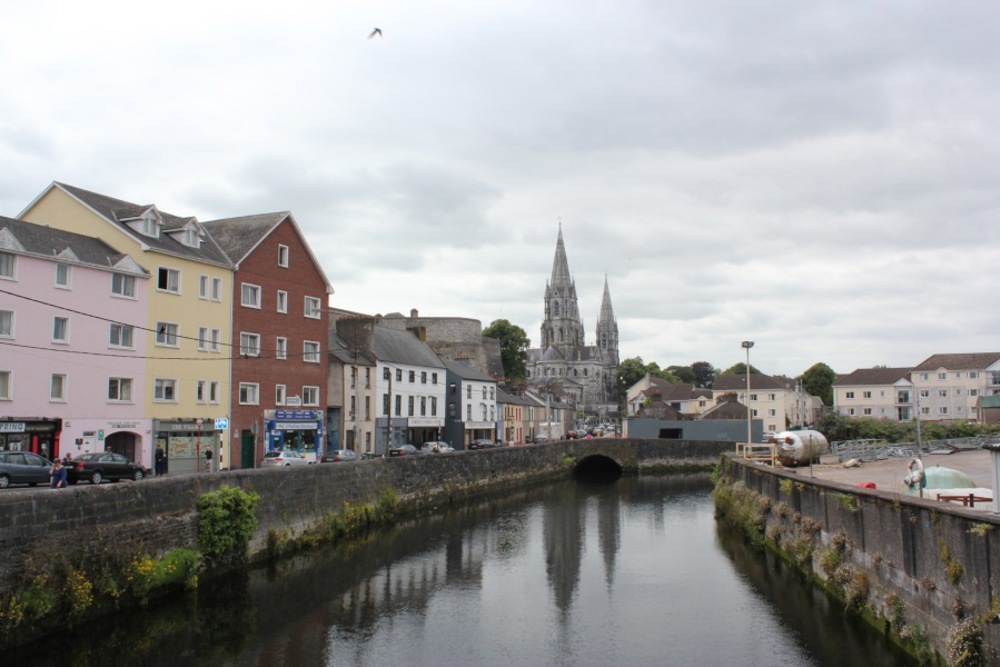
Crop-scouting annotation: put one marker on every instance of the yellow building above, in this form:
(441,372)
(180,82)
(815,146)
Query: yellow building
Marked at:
(188,320)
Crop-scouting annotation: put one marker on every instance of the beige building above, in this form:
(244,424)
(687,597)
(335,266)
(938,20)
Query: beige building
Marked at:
(780,403)
(879,393)
(948,386)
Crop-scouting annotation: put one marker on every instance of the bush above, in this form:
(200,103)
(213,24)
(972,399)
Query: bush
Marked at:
(227,519)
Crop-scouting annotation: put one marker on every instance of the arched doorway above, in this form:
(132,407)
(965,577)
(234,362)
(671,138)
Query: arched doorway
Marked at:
(123,443)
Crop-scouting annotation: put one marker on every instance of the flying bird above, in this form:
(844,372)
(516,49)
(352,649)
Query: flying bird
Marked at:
(376,31)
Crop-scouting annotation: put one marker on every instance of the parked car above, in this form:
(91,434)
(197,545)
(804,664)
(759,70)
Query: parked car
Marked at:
(23,468)
(483,443)
(95,467)
(340,456)
(284,459)
(436,447)
(403,450)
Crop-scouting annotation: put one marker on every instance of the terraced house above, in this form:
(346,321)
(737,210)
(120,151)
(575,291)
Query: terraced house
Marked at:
(187,323)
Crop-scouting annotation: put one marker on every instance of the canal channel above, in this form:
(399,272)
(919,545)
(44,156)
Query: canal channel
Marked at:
(634,572)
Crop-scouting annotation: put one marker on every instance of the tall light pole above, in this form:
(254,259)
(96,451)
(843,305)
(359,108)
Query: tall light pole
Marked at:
(747,344)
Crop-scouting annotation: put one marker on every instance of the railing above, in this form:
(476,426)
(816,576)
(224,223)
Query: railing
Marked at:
(758,451)
(871,449)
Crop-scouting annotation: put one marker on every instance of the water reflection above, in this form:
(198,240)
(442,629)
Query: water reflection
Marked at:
(632,572)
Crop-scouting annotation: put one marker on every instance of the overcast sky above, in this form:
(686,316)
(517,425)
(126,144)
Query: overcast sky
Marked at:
(818,177)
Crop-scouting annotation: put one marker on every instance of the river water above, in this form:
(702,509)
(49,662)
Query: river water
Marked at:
(634,572)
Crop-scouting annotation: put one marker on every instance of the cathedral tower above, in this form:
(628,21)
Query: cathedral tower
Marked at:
(607,329)
(561,327)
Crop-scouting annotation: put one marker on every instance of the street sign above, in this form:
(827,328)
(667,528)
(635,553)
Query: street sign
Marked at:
(222,424)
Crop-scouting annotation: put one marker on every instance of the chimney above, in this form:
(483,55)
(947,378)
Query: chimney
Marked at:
(413,312)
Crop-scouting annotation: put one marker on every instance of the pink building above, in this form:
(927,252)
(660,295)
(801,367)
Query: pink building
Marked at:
(72,311)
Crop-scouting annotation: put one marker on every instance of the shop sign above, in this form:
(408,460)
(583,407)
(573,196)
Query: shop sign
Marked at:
(296,414)
(123,424)
(11,427)
(419,422)
(295,426)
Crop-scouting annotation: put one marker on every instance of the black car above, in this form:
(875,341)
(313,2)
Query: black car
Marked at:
(23,468)
(403,450)
(95,467)
(484,443)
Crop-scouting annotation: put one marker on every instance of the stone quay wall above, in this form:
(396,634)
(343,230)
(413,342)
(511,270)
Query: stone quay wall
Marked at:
(160,514)
(940,560)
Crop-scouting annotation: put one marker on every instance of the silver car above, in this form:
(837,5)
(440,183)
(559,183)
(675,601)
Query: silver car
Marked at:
(284,459)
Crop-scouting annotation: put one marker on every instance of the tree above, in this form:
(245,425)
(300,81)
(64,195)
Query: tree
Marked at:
(739,369)
(514,344)
(630,371)
(683,373)
(818,381)
(704,374)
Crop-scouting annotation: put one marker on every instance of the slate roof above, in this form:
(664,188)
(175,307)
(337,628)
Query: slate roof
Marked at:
(738,382)
(970,361)
(872,376)
(402,347)
(47,242)
(660,410)
(466,372)
(117,211)
(341,350)
(238,236)
(726,410)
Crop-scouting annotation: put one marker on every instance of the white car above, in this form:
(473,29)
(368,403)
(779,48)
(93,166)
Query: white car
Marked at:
(284,459)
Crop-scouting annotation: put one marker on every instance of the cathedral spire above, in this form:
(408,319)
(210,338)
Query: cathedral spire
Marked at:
(560,265)
(607,327)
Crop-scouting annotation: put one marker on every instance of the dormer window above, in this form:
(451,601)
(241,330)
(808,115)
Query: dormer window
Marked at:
(149,226)
(190,238)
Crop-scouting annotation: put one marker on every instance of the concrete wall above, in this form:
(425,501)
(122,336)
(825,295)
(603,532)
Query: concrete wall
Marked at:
(159,514)
(897,540)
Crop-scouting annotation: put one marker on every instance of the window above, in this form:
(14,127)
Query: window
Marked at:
(310,352)
(216,339)
(409,406)
(310,396)
(4,385)
(282,301)
(249,393)
(368,408)
(942,393)
(973,375)
(867,412)
(468,413)
(279,394)
(368,378)
(423,406)
(866,394)
(250,295)
(492,393)
(753,397)
(423,377)
(973,392)
(312,307)
(121,335)
(386,372)
(354,376)
(63,273)
(484,411)
(203,338)
(925,393)
(60,330)
(169,280)
(772,412)
(484,392)
(7,265)
(203,287)
(281,348)
(122,285)
(201,391)
(399,375)
(942,376)
(250,344)
(413,377)
(213,391)
(216,289)
(399,405)
(468,391)
(924,410)
(166,334)
(849,394)
(434,378)
(164,390)
(57,387)
(943,410)
(283,255)
(434,406)
(120,390)
(6,323)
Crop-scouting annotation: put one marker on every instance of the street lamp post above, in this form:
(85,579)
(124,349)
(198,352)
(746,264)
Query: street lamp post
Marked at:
(747,344)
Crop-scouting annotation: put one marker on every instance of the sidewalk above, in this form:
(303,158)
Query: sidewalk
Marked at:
(888,474)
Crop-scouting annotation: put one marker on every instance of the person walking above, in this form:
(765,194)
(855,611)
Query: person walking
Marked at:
(160,462)
(58,475)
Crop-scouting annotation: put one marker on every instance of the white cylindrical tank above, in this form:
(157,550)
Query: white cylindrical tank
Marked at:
(800,447)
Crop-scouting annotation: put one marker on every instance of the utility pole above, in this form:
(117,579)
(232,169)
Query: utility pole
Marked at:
(388,415)
(357,402)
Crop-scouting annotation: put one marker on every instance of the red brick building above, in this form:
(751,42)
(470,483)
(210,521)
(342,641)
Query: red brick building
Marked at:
(280,323)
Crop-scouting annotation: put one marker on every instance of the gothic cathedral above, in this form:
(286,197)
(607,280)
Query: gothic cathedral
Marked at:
(563,364)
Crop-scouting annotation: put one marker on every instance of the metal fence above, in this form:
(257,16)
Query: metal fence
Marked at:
(872,449)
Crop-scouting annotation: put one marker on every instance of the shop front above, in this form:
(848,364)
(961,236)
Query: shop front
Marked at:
(191,445)
(31,434)
(480,431)
(128,437)
(424,429)
(295,430)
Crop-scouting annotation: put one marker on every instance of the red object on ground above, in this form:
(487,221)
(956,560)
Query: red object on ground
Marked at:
(867,485)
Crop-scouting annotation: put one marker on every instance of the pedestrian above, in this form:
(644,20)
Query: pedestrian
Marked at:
(160,462)
(58,475)
(208,460)
(68,460)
